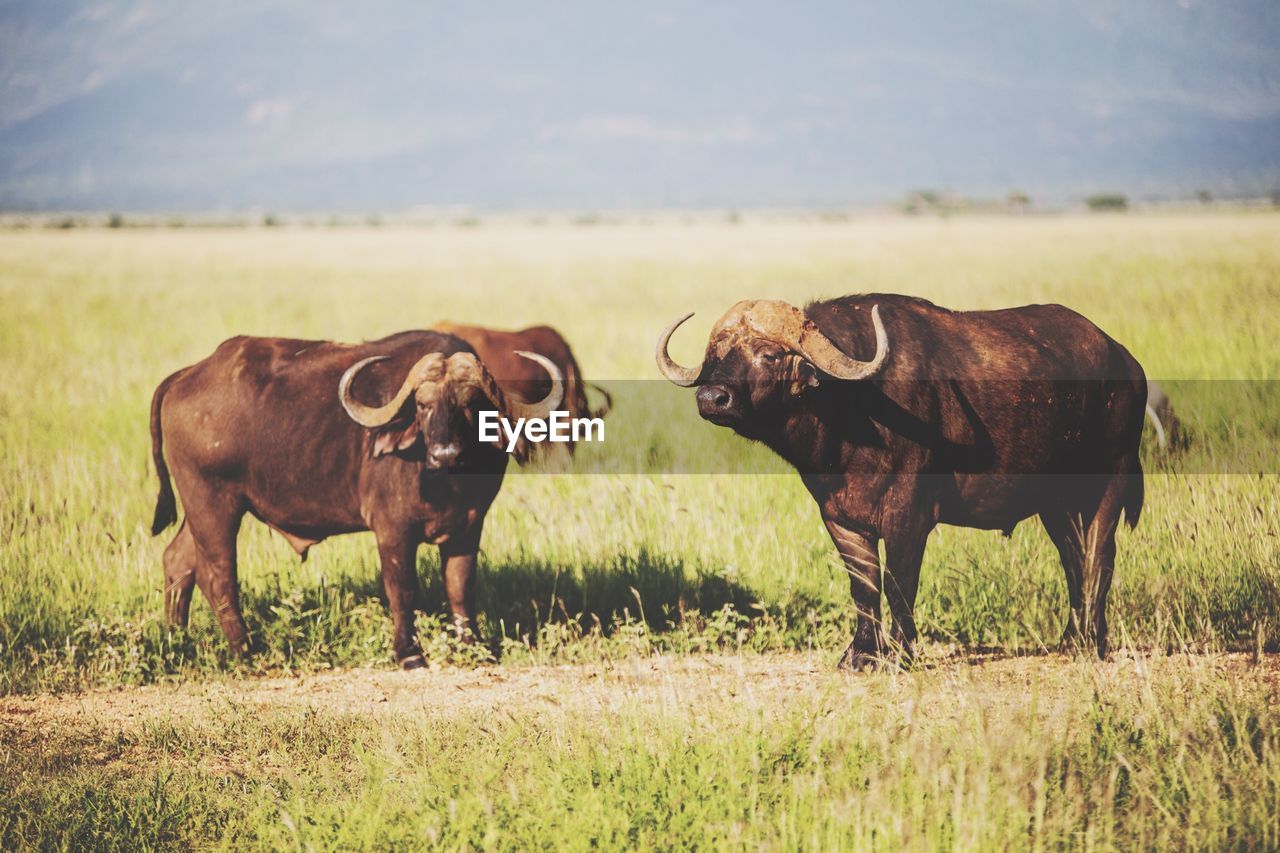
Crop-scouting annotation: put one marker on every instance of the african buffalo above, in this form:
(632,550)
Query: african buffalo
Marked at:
(521,378)
(316,439)
(901,415)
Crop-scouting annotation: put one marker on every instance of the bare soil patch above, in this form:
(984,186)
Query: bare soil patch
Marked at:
(659,683)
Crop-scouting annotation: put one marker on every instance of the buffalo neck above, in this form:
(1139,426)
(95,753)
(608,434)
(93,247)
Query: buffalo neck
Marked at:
(831,429)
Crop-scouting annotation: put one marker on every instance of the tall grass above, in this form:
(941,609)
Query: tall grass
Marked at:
(91,321)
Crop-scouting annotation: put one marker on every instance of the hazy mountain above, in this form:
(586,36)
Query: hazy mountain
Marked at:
(307,105)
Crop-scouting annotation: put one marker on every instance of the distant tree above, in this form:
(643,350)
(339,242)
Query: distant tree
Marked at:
(271,220)
(116,220)
(1018,202)
(1104,202)
(942,202)
(921,201)
(1204,196)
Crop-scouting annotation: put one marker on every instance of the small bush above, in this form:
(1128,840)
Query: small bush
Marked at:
(1105,202)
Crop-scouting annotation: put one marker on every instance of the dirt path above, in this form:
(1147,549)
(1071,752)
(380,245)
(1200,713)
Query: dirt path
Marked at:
(710,681)
(378,691)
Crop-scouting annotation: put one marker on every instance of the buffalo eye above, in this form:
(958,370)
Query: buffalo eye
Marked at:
(770,357)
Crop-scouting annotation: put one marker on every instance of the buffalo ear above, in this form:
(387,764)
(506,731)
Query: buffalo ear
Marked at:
(390,439)
(806,376)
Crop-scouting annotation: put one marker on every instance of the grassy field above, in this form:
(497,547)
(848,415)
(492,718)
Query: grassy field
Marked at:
(608,572)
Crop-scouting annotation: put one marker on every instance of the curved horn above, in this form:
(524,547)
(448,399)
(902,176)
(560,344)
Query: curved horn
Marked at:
(685,377)
(547,404)
(376,416)
(819,349)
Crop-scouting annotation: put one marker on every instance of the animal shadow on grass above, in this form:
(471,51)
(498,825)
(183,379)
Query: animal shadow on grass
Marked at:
(516,598)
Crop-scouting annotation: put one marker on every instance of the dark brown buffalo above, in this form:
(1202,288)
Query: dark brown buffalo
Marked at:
(317,439)
(901,415)
(520,377)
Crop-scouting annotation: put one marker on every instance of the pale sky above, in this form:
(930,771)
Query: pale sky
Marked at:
(294,105)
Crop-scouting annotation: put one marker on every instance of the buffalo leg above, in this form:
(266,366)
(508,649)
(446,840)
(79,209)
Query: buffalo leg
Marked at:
(862,562)
(458,561)
(1066,529)
(1086,544)
(1100,560)
(903,555)
(400,579)
(214,521)
(218,579)
(181,560)
(1103,568)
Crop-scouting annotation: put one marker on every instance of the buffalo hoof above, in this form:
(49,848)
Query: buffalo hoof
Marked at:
(857,660)
(1076,644)
(413,662)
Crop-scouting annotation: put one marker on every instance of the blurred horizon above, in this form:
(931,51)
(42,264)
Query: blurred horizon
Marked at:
(134,105)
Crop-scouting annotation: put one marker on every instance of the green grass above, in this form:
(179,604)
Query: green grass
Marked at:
(610,567)
(1151,753)
(93,320)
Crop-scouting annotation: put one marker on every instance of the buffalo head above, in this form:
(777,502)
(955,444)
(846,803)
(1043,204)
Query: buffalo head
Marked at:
(763,354)
(447,392)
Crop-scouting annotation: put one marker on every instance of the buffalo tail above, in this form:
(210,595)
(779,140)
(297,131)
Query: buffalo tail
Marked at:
(1135,491)
(166,503)
(608,400)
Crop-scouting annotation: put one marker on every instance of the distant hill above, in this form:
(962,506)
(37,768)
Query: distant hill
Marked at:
(306,106)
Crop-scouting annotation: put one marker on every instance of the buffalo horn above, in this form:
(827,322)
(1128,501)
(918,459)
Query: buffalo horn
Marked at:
(685,377)
(547,404)
(819,349)
(376,416)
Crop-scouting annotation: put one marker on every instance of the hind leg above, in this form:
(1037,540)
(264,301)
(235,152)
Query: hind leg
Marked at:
(213,517)
(1100,559)
(1066,529)
(181,560)
(219,582)
(1086,541)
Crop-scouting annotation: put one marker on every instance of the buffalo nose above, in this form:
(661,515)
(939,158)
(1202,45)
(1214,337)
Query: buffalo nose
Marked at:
(714,397)
(444,454)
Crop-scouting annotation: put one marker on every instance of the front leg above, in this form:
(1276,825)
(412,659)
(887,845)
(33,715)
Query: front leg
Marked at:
(458,560)
(862,561)
(904,551)
(400,579)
